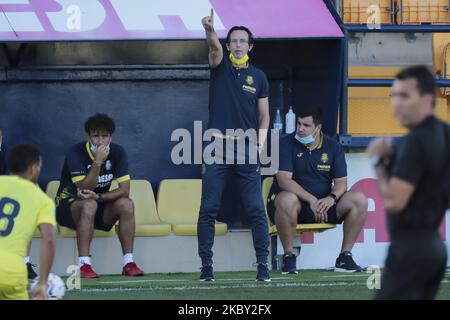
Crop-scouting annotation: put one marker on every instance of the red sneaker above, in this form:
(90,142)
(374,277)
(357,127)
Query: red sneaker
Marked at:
(132,270)
(86,272)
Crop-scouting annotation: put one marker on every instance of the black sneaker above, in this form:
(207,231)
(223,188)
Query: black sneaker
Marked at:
(263,273)
(289,263)
(207,273)
(345,263)
(31,273)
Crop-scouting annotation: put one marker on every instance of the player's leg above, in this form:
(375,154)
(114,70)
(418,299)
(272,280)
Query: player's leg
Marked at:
(435,271)
(213,182)
(394,286)
(249,189)
(83,214)
(31,273)
(121,210)
(352,208)
(402,277)
(79,215)
(287,208)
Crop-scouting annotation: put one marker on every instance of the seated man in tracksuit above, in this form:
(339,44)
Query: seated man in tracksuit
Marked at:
(311,187)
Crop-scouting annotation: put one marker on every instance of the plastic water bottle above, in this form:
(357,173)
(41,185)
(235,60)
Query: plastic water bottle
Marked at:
(278,124)
(290,121)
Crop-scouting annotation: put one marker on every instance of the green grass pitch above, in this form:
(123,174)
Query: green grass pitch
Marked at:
(308,284)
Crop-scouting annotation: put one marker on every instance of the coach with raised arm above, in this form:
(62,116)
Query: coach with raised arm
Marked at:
(238,100)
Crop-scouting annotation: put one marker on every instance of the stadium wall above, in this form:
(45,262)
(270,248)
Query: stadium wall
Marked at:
(48,104)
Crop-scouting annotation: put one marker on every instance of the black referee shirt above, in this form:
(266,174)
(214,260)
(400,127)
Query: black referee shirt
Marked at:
(420,158)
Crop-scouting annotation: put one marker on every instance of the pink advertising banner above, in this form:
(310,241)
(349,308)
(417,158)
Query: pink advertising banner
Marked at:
(72,20)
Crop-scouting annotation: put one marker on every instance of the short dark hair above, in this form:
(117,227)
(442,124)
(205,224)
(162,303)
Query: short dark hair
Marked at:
(426,84)
(250,34)
(312,111)
(100,122)
(23,156)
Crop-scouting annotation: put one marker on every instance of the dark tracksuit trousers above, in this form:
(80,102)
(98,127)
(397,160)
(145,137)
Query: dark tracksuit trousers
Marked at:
(249,188)
(415,266)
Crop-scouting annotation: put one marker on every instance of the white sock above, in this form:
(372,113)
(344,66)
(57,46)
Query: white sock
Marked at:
(127,258)
(84,260)
(26,260)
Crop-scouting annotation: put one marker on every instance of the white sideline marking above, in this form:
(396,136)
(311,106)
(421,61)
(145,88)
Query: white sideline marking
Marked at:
(278,285)
(248,286)
(346,276)
(184,280)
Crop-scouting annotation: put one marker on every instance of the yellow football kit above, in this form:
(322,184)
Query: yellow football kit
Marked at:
(23,207)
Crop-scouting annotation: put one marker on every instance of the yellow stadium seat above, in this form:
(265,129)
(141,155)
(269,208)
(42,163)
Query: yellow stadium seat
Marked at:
(367,11)
(52,189)
(148,223)
(178,203)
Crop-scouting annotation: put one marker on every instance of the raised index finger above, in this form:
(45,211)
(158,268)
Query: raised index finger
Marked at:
(212,16)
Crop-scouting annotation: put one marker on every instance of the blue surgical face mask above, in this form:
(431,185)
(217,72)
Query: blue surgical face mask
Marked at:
(305,140)
(94,147)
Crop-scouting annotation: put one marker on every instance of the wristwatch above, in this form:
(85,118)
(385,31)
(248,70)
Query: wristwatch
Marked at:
(334,197)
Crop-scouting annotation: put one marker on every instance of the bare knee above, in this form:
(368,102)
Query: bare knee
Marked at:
(124,206)
(359,201)
(287,203)
(87,209)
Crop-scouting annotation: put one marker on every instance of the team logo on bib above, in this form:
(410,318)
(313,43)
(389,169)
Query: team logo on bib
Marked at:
(249,80)
(108,165)
(324,157)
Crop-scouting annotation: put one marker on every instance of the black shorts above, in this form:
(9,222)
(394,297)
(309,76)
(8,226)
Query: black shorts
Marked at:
(306,215)
(65,219)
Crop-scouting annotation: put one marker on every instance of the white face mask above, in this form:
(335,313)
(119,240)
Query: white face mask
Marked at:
(94,148)
(305,140)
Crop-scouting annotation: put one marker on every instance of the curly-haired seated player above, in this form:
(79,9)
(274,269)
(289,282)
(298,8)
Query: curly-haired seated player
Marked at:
(84,202)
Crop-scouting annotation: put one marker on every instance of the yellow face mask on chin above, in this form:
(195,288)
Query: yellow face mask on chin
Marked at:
(240,61)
